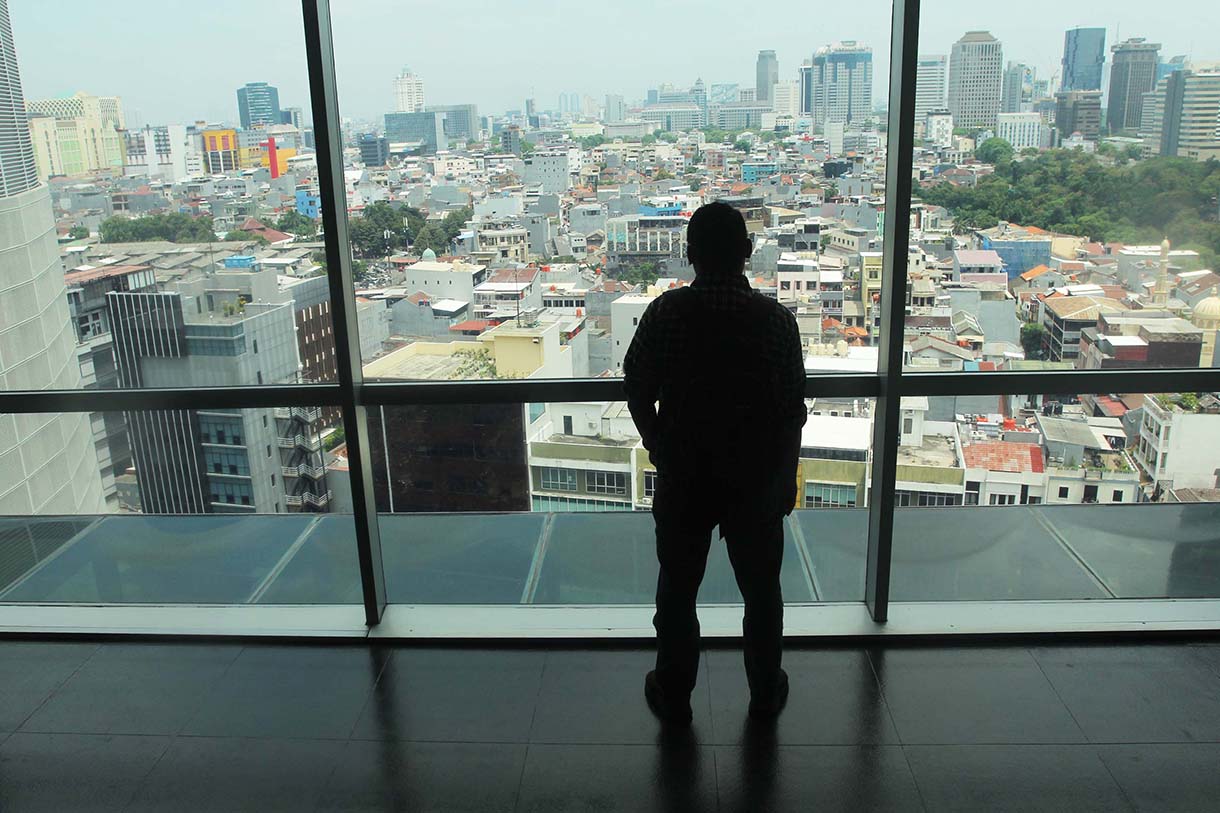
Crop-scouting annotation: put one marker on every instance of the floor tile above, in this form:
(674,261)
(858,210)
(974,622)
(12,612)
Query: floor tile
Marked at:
(598,697)
(1046,778)
(761,775)
(834,699)
(636,778)
(1166,778)
(234,775)
(454,695)
(30,671)
(1136,694)
(76,772)
(971,695)
(425,776)
(290,691)
(135,689)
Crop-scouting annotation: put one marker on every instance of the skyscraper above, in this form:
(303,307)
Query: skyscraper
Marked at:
(408,92)
(806,87)
(842,83)
(1180,117)
(766,73)
(258,103)
(931,75)
(1078,111)
(1084,55)
(78,134)
(616,109)
(1132,74)
(975,68)
(1016,92)
(48,460)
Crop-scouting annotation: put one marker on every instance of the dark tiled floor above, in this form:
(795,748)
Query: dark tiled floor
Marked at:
(187,727)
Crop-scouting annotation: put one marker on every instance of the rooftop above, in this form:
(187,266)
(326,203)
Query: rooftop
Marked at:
(1007,456)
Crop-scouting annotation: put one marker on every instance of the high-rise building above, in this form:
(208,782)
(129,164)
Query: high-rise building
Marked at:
(48,460)
(1182,116)
(806,87)
(842,83)
(408,93)
(426,130)
(1084,56)
(77,135)
(258,103)
(931,77)
(293,116)
(1078,111)
(786,98)
(975,72)
(225,460)
(167,152)
(1132,74)
(616,109)
(460,121)
(374,149)
(766,73)
(1017,88)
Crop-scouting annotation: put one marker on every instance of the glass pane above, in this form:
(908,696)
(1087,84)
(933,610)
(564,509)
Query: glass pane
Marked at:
(176,506)
(1065,204)
(169,235)
(516,221)
(1088,496)
(549,504)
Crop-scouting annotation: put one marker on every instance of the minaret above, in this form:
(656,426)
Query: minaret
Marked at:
(1160,293)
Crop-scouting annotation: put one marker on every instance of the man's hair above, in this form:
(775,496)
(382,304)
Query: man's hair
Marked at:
(716,238)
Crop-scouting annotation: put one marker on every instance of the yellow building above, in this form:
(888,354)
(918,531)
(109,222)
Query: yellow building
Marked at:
(1206,316)
(77,135)
(220,151)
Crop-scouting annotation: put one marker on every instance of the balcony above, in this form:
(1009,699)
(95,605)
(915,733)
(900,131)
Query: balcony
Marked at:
(307,498)
(306,414)
(310,442)
(304,470)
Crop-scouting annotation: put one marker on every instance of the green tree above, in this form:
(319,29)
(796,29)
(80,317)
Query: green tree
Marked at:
(295,223)
(589,142)
(648,140)
(994,151)
(175,227)
(78,232)
(241,236)
(741,145)
(1031,339)
(663,175)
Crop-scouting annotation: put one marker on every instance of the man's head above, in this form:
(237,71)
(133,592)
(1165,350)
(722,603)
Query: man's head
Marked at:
(717,243)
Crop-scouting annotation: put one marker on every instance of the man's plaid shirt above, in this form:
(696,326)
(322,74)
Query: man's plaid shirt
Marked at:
(665,341)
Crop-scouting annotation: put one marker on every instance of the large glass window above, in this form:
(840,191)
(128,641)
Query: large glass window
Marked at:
(1063,213)
(174,239)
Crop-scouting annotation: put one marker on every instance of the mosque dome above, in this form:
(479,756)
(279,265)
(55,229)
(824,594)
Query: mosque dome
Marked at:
(428,254)
(1207,312)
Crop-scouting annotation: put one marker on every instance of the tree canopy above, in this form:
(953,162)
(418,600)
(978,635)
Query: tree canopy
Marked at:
(295,223)
(1072,192)
(174,228)
(994,151)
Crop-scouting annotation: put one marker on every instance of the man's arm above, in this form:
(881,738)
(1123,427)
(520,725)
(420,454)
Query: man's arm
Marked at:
(641,378)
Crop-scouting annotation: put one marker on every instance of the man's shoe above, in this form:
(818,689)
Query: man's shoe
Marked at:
(765,708)
(665,708)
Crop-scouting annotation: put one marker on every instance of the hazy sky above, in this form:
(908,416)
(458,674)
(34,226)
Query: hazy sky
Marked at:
(177,61)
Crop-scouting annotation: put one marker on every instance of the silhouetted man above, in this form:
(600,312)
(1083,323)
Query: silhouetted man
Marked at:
(726,365)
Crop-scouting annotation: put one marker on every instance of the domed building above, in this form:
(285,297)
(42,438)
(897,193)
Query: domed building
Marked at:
(1206,317)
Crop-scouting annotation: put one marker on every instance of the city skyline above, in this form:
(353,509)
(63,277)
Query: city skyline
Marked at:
(368,57)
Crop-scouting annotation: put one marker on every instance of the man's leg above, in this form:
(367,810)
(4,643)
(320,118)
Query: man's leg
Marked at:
(682,548)
(756,551)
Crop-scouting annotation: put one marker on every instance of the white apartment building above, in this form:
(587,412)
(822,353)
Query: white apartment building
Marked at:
(1021,130)
(408,93)
(550,169)
(938,128)
(447,280)
(842,83)
(168,153)
(931,85)
(976,67)
(786,98)
(587,456)
(1177,442)
(625,313)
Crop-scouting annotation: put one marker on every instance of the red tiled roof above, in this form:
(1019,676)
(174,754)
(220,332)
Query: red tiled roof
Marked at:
(1003,455)
(1036,271)
(1111,406)
(471,324)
